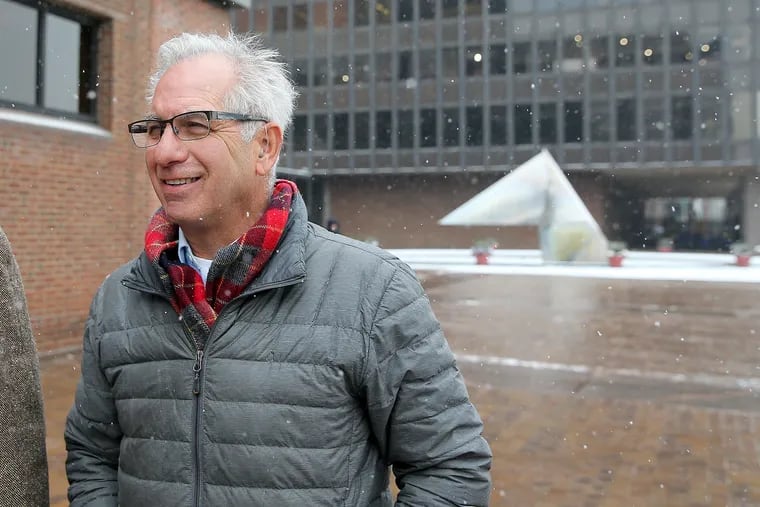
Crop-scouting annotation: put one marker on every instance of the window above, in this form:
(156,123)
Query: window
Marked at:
(600,55)
(474,61)
(383,129)
(709,50)
(498,119)
(600,121)
(361,130)
(497,59)
(625,55)
(405,10)
(428,127)
(319,134)
(384,67)
(301,16)
(451,127)
(497,6)
(474,126)
(53,56)
(573,122)
(710,116)
(427,9)
(405,69)
(523,124)
(341,70)
(626,119)
(472,7)
(301,133)
(280,19)
(405,132)
(361,13)
(361,68)
(547,123)
(681,121)
(340,131)
(319,77)
(427,63)
(383,12)
(300,73)
(654,119)
(547,54)
(450,62)
(680,47)
(572,54)
(521,58)
(652,49)
(450,8)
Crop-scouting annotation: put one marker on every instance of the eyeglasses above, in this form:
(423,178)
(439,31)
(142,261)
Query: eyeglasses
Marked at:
(189,126)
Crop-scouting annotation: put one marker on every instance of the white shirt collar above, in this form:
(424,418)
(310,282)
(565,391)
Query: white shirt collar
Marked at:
(186,256)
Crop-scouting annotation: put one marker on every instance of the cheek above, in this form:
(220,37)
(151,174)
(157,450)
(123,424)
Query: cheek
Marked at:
(150,161)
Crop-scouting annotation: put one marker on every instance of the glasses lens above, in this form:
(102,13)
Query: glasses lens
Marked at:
(146,133)
(191,126)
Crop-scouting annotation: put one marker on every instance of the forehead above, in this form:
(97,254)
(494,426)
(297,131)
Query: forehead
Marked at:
(197,83)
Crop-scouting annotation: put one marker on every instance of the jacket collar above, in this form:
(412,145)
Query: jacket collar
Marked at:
(287,264)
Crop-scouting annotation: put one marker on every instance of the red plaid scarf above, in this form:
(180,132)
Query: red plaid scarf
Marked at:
(232,269)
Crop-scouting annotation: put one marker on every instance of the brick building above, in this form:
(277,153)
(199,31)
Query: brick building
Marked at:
(74,195)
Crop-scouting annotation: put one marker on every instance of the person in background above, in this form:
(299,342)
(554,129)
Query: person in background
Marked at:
(333,226)
(23,460)
(248,356)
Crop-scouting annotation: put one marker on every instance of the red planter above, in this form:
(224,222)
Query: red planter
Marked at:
(616,261)
(743,260)
(665,245)
(481,258)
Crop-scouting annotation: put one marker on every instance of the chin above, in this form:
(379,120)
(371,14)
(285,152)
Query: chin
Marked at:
(182,218)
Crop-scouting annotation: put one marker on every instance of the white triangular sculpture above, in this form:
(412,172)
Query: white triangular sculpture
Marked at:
(538,193)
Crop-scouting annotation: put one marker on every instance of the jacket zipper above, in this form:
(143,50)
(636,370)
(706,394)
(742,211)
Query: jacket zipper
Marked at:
(197,367)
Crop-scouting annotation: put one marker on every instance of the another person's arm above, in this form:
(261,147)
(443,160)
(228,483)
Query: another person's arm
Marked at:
(427,428)
(23,470)
(92,431)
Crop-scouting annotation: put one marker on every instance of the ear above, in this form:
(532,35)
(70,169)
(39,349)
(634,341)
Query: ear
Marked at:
(267,146)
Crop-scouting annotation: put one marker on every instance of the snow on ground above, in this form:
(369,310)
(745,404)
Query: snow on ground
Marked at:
(707,267)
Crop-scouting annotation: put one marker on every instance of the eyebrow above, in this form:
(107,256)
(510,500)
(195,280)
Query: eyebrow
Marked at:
(152,117)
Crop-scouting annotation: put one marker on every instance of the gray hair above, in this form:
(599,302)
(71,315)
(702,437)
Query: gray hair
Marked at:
(263,88)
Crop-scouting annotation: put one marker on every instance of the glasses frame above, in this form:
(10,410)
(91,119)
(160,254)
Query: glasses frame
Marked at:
(210,115)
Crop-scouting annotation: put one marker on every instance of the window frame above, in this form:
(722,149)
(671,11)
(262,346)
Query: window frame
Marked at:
(88,49)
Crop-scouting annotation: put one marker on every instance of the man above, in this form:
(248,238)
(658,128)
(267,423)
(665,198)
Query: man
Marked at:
(249,357)
(23,468)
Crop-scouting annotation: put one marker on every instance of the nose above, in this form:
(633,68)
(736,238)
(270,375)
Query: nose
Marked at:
(170,148)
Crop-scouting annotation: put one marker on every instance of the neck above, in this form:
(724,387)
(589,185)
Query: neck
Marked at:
(206,239)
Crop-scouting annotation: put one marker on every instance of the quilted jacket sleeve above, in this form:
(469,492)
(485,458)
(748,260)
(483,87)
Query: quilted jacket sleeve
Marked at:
(418,404)
(92,432)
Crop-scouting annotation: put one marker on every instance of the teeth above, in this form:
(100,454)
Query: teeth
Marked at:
(181,181)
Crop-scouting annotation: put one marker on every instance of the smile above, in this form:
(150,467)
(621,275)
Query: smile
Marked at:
(180,181)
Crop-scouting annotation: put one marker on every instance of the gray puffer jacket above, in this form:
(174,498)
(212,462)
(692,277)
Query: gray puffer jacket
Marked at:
(329,367)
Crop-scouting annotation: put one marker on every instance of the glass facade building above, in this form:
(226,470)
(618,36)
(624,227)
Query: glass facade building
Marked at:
(658,97)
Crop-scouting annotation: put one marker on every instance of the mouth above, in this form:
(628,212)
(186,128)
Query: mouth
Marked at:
(180,181)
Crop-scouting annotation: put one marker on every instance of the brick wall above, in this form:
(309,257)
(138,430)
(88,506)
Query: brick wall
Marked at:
(74,205)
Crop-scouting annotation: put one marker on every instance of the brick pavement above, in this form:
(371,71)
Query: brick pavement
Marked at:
(593,392)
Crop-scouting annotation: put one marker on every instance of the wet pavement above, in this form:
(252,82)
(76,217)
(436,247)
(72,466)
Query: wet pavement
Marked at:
(593,392)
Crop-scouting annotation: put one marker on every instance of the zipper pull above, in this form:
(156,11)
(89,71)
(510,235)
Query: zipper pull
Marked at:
(197,372)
